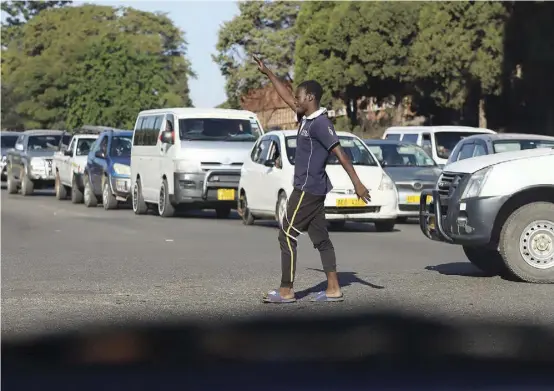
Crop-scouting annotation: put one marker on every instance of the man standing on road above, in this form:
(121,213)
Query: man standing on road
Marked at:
(315,141)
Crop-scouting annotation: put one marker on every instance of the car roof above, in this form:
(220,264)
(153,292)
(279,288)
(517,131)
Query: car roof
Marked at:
(442,128)
(378,141)
(509,136)
(44,132)
(191,112)
(294,132)
(9,133)
(119,132)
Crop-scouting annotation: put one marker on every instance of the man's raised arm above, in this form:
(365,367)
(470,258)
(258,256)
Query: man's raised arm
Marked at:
(280,87)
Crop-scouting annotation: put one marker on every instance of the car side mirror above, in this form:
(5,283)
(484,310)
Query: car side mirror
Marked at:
(383,162)
(167,137)
(99,154)
(19,147)
(269,163)
(68,152)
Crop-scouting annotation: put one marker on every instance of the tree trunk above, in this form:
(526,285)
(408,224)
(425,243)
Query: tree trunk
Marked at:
(482,113)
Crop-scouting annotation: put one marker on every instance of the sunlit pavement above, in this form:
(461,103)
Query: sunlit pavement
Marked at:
(65,266)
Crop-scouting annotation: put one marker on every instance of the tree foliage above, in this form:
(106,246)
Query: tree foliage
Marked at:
(263,28)
(95,64)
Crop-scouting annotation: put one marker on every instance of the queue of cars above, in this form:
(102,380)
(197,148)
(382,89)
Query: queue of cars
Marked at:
(185,158)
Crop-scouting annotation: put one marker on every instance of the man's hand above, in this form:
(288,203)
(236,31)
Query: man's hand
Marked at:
(362,192)
(261,66)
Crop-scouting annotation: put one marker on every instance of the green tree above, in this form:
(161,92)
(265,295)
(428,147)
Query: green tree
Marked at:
(459,53)
(356,49)
(263,28)
(94,64)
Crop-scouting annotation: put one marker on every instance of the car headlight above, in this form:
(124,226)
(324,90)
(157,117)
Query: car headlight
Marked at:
(476,183)
(386,183)
(121,169)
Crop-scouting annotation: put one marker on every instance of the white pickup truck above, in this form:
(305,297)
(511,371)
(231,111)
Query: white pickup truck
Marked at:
(69,165)
(500,208)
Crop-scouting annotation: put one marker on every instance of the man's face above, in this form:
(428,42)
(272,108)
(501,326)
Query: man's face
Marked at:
(302,101)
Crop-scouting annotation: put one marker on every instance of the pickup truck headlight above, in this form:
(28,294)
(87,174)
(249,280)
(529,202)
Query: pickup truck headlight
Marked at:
(121,169)
(386,183)
(476,183)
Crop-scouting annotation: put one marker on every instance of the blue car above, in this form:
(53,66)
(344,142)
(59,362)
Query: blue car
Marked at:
(107,177)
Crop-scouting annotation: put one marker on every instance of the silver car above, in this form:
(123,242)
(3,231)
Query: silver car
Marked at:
(8,140)
(29,163)
(411,169)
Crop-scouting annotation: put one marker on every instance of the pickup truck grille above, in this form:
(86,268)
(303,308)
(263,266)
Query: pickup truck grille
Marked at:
(447,182)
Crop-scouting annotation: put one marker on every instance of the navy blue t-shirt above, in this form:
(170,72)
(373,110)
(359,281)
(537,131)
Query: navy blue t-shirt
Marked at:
(316,138)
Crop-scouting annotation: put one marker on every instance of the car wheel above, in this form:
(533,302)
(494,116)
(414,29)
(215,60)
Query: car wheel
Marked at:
(281,208)
(247,218)
(165,209)
(139,206)
(90,199)
(223,212)
(385,225)
(61,193)
(337,225)
(27,185)
(108,199)
(11,185)
(527,242)
(76,193)
(487,260)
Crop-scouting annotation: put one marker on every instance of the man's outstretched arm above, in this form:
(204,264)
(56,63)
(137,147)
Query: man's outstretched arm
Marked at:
(361,190)
(280,87)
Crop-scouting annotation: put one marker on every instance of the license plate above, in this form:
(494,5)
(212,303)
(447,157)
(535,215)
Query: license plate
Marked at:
(346,202)
(226,194)
(431,224)
(412,199)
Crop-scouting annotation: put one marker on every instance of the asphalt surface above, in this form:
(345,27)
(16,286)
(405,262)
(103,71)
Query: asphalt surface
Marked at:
(65,266)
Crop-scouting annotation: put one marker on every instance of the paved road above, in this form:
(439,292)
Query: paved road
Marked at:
(64,265)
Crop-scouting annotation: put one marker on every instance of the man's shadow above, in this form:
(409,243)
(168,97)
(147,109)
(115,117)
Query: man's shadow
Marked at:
(345,279)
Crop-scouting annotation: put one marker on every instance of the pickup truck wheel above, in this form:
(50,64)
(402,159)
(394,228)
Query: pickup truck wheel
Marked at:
(139,206)
(90,199)
(223,212)
(487,260)
(247,218)
(27,185)
(165,209)
(61,192)
(76,193)
(527,242)
(108,199)
(12,185)
(385,225)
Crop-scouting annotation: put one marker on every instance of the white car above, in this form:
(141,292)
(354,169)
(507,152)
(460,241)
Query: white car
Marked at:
(264,188)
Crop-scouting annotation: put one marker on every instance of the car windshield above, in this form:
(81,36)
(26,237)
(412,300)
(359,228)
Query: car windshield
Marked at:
(8,141)
(219,129)
(354,149)
(446,141)
(401,155)
(84,145)
(121,146)
(46,142)
(518,145)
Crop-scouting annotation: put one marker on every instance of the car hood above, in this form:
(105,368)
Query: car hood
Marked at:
(421,174)
(370,176)
(471,165)
(225,152)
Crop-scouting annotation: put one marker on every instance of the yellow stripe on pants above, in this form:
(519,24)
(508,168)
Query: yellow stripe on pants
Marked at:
(291,222)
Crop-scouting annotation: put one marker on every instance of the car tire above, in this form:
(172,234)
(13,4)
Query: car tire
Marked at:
(11,185)
(76,193)
(527,243)
(139,206)
(61,192)
(385,225)
(487,260)
(27,185)
(108,199)
(402,220)
(90,199)
(243,211)
(337,225)
(165,208)
(281,208)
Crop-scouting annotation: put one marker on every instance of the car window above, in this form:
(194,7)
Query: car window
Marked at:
(410,138)
(355,149)
(218,129)
(84,145)
(517,145)
(401,155)
(8,141)
(262,151)
(480,149)
(392,136)
(466,151)
(121,146)
(445,142)
(44,143)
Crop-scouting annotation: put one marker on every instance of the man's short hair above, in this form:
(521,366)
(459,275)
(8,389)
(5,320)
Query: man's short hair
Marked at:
(312,87)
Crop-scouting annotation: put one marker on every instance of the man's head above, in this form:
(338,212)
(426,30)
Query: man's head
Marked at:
(307,97)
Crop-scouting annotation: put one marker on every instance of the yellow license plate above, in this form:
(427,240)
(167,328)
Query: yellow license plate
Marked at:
(226,194)
(412,199)
(431,224)
(346,202)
